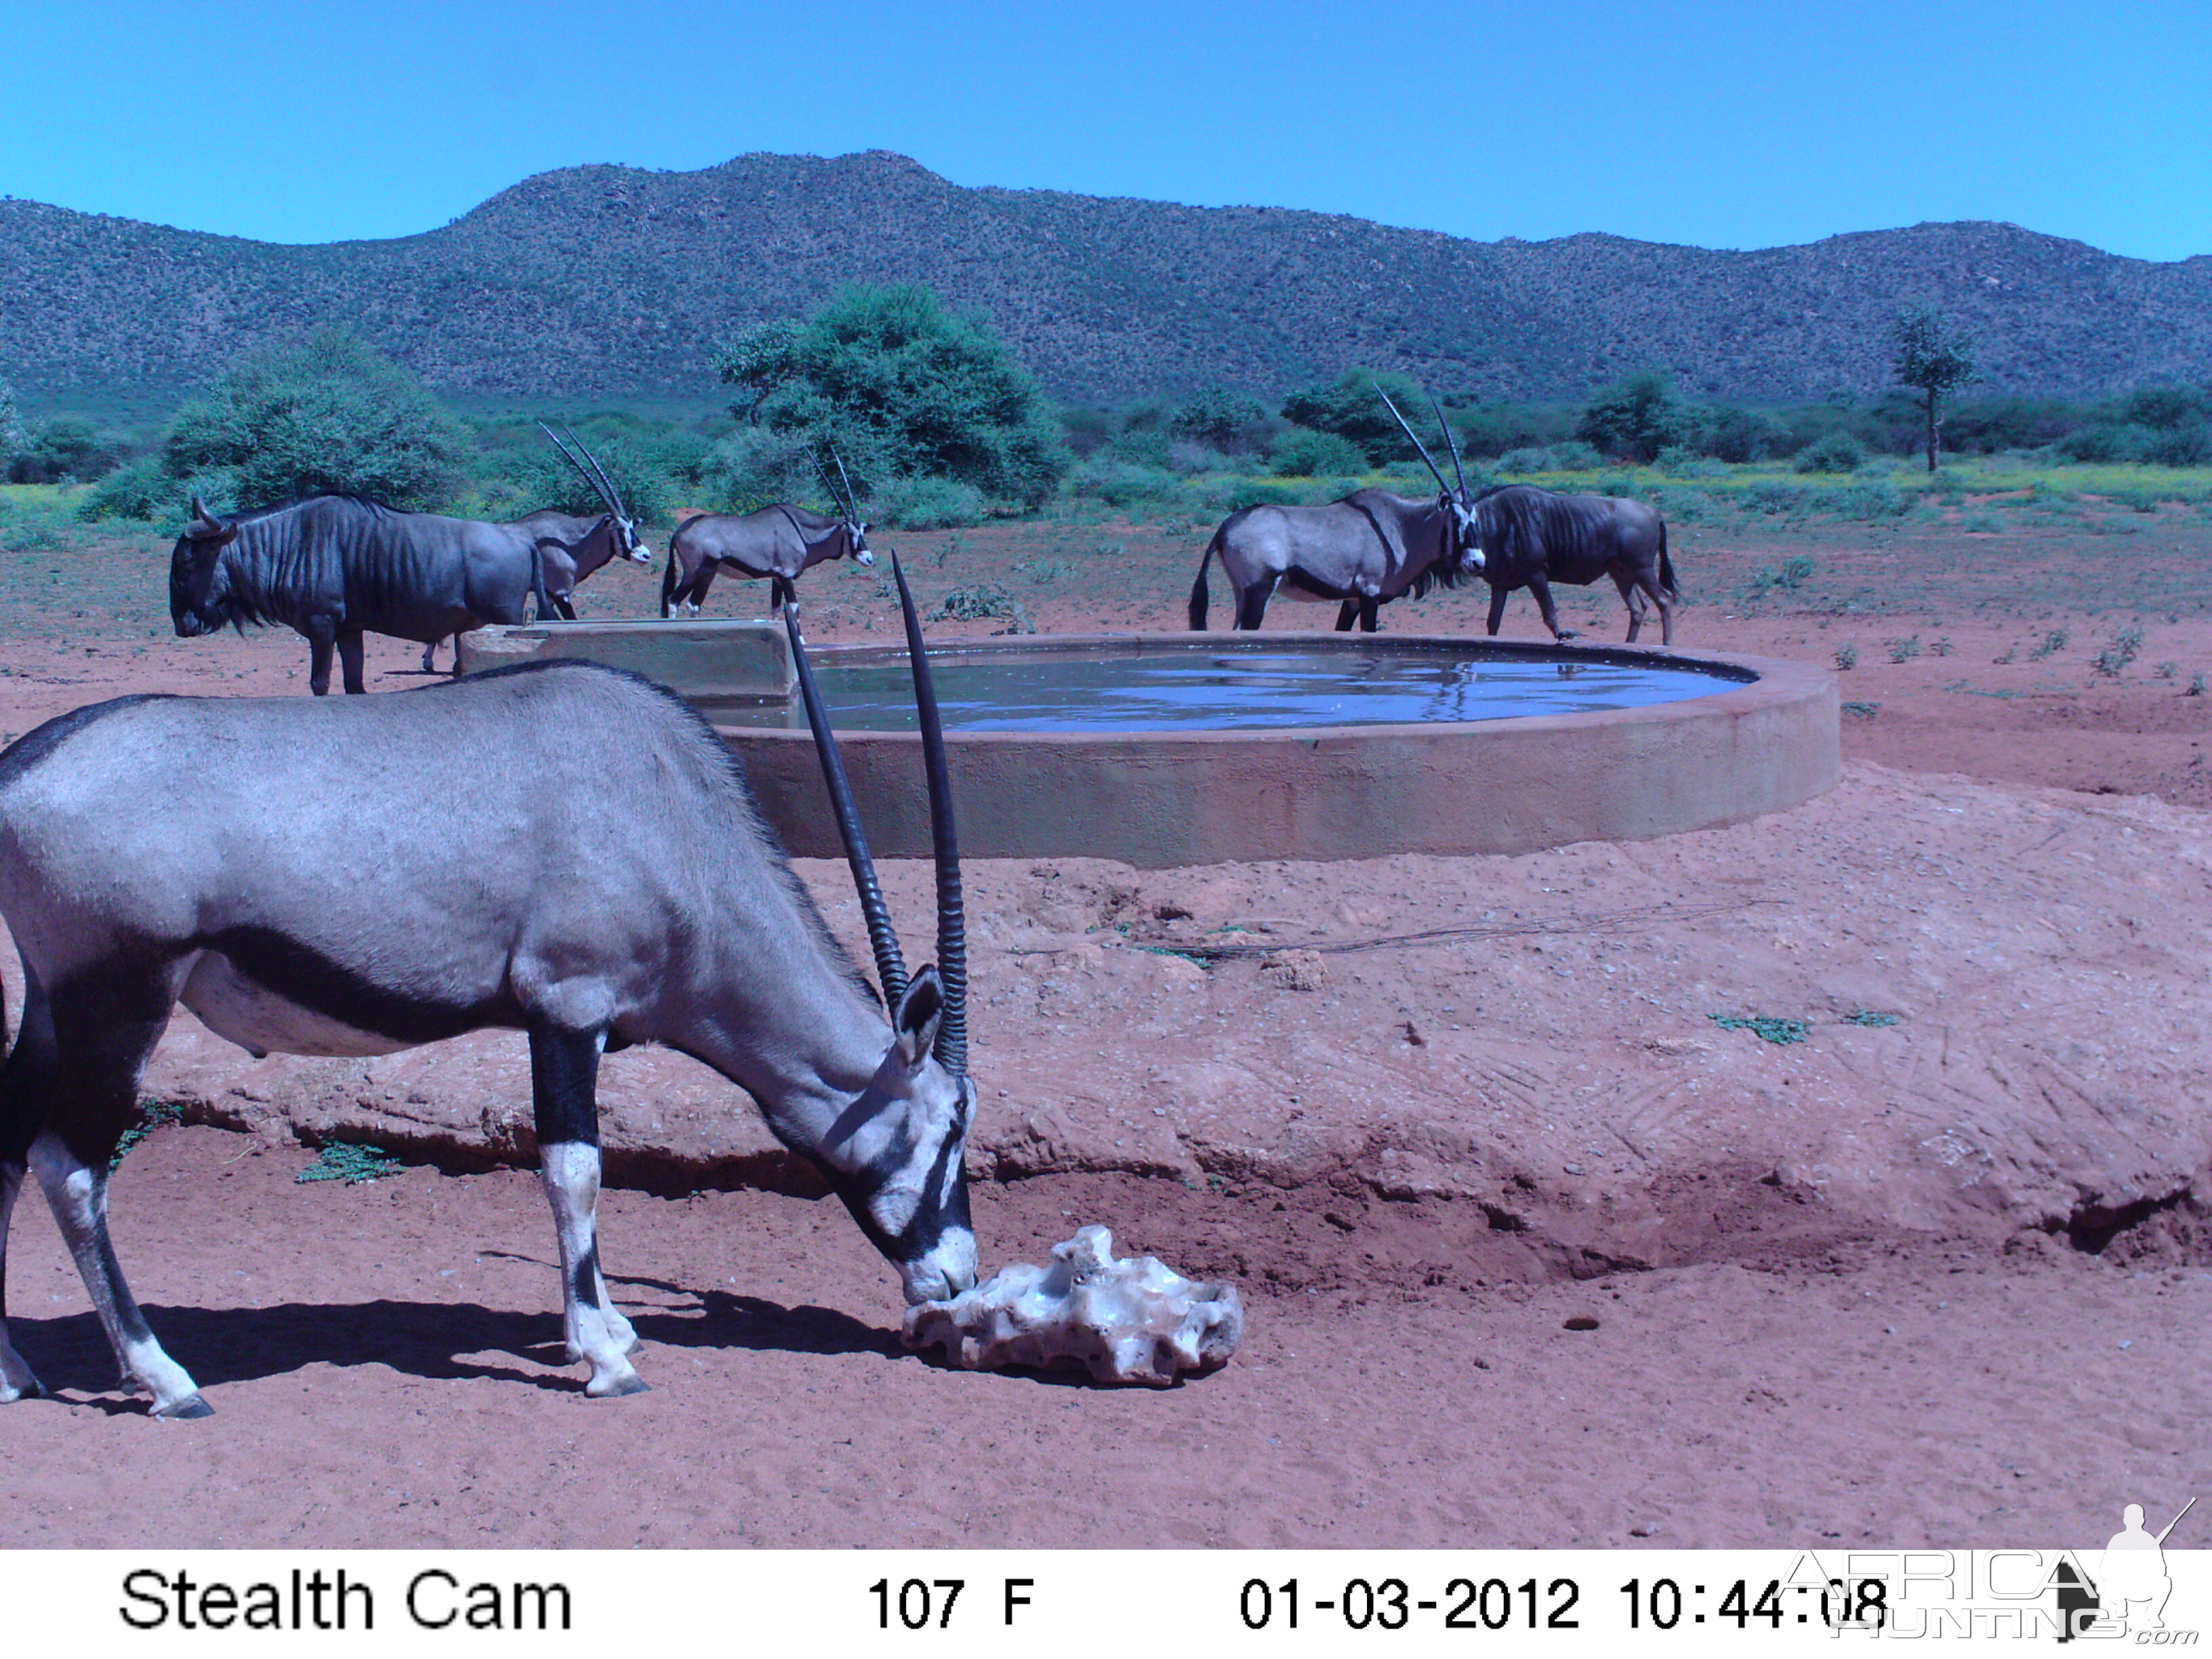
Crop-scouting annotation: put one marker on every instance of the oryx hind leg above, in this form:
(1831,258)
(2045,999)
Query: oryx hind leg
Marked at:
(1252,603)
(103,1027)
(17,1379)
(564,1069)
(26,1086)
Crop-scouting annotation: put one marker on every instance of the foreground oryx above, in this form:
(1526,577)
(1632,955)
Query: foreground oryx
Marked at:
(278,868)
(777,542)
(1368,549)
(334,567)
(572,546)
(1532,537)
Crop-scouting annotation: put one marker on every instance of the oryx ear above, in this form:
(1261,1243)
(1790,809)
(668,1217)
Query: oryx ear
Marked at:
(914,1021)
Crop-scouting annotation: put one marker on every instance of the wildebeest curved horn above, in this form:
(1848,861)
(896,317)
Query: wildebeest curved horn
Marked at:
(891,966)
(952,1049)
(1408,431)
(1457,470)
(852,506)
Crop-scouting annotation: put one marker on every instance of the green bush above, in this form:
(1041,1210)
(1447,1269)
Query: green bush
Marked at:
(1633,419)
(11,420)
(928,504)
(1120,484)
(1839,451)
(322,414)
(1350,408)
(1302,454)
(64,449)
(1220,418)
(1739,435)
(906,388)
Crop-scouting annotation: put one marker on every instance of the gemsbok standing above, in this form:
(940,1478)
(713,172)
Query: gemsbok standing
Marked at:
(572,546)
(779,543)
(1360,552)
(279,868)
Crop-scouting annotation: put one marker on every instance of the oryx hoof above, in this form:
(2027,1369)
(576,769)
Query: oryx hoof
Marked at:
(29,1388)
(617,1385)
(190,1409)
(1566,634)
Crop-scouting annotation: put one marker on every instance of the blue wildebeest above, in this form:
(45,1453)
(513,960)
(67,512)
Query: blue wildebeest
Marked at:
(334,567)
(777,542)
(1532,537)
(278,868)
(1365,551)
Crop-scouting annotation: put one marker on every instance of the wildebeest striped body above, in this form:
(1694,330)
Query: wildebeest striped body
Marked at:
(779,543)
(1531,537)
(1360,553)
(278,867)
(336,567)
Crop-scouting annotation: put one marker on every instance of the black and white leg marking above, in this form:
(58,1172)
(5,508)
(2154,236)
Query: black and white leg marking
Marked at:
(78,1192)
(17,1379)
(564,1069)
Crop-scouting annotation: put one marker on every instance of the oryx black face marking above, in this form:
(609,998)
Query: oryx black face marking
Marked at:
(276,864)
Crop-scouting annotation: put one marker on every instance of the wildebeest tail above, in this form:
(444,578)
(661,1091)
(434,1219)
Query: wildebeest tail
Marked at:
(1665,564)
(1198,595)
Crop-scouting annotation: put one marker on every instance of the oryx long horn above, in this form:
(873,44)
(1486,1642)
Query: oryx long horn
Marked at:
(952,1048)
(1454,442)
(1408,431)
(594,475)
(891,966)
(852,506)
(828,482)
(599,474)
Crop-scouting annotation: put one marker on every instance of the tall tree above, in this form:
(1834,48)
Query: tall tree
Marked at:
(905,387)
(1933,358)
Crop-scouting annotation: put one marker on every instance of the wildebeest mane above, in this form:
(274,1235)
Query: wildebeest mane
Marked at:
(1523,523)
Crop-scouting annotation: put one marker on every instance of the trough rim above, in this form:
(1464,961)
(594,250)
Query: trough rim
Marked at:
(1775,682)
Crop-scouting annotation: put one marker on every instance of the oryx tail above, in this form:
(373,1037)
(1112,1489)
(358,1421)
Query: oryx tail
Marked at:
(1197,593)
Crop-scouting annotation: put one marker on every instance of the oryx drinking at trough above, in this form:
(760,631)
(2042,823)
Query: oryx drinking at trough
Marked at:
(278,867)
(1531,537)
(1368,549)
(572,546)
(777,542)
(334,567)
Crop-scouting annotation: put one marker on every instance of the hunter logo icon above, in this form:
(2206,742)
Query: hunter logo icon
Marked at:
(2130,1591)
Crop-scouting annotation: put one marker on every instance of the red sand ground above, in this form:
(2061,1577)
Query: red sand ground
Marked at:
(1866,1317)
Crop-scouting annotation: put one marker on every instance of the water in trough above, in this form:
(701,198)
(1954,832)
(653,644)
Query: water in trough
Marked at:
(1214,689)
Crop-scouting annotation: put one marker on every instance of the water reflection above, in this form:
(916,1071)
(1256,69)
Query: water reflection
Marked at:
(1055,691)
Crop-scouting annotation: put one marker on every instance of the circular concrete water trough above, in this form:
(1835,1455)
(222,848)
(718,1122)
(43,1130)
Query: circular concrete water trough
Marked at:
(1178,781)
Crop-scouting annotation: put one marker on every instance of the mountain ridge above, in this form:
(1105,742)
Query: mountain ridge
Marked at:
(608,281)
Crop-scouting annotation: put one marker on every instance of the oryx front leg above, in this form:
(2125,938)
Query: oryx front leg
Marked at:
(564,1069)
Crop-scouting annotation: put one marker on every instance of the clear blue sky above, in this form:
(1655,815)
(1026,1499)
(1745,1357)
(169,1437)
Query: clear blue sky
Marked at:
(1724,125)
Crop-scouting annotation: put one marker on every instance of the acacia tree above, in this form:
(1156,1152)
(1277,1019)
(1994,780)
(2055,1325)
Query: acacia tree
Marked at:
(1933,359)
(905,387)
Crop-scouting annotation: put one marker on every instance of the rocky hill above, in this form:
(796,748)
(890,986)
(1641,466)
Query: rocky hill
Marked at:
(615,282)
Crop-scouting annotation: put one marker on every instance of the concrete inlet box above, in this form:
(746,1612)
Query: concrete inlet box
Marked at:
(715,662)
